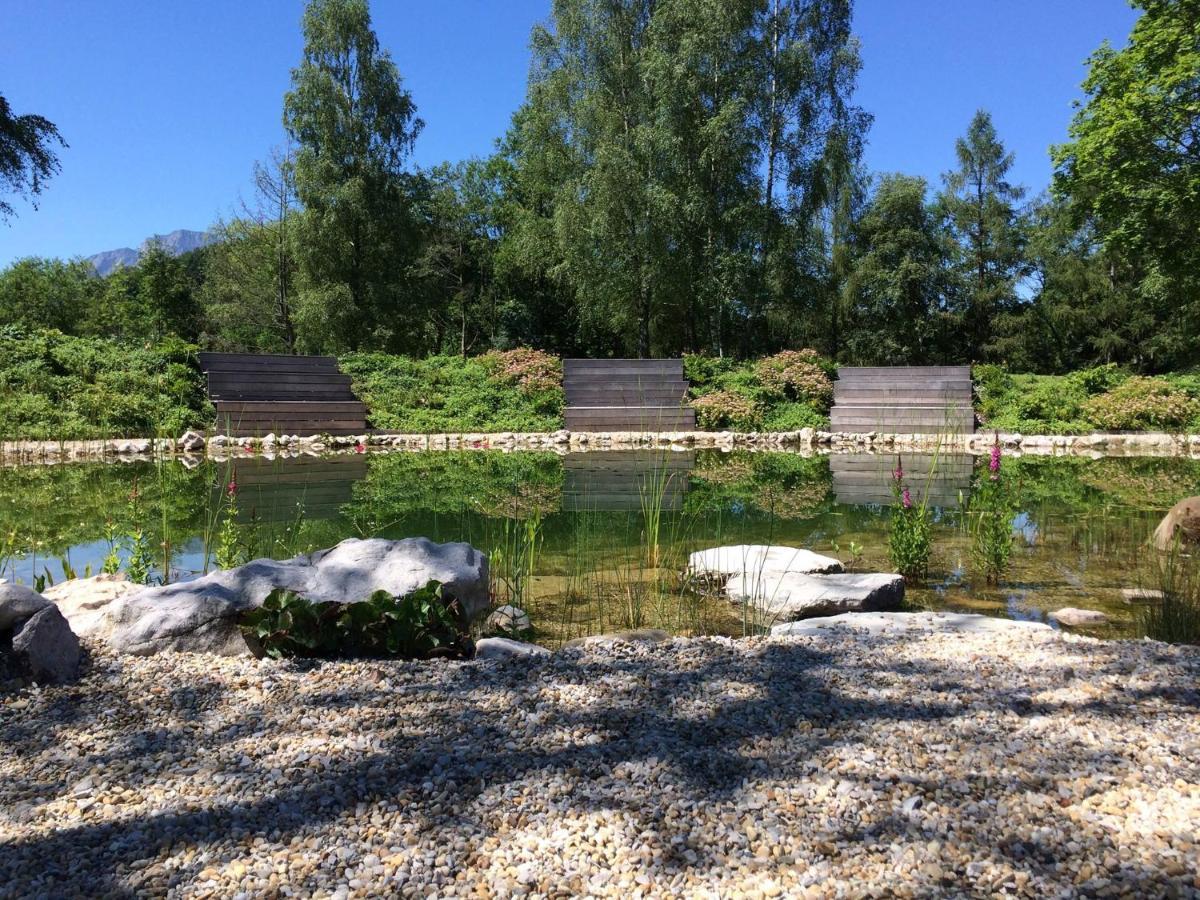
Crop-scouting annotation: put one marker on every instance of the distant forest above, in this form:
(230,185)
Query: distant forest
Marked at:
(684,176)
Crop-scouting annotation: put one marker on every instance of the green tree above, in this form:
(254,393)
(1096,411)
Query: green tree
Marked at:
(250,276)
(896,293)
(353,125)
(46,293)
(1132,168)
(982,208)
(27,156)
(454,263)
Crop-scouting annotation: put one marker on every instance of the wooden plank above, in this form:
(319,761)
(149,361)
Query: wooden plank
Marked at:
(275,379)
(960,372)
(210,359)
(289,407)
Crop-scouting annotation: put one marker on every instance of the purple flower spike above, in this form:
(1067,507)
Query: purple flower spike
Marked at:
(907,499)
(898,472)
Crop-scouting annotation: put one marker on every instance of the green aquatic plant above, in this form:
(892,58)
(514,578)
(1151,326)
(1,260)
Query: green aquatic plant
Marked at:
(910,528)
(229,552)
(1174,615)
(423,624)
(992,510)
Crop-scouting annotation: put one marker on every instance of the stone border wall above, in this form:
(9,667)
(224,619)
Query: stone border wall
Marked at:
(193,447)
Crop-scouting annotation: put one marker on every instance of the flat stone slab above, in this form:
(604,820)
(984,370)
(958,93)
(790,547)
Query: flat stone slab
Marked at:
(1141,595)
(750,559)
(875,623)
(499,648)
(792,595)
(202,615)
(636,636)
(1078,618)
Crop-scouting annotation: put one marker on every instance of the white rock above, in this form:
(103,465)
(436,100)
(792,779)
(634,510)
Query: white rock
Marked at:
(751,559)
(202,615)
(85,601)
(1075,618)
(795,596)
(493,648)
(900,622)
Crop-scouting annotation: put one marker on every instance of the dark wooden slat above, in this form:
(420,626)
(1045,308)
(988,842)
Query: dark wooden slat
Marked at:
(290,407)
(961,372)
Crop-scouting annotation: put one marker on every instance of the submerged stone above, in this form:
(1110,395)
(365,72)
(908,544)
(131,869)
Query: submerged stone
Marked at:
(750,559)
(793,595)
(1077,618)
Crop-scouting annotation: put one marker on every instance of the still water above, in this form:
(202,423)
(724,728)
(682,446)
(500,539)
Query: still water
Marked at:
(595,541)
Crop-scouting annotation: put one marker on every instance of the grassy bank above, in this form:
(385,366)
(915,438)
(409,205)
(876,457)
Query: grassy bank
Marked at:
(56,387)
(1105,398)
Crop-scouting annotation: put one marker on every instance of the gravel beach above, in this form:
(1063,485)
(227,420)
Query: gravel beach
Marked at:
(1030,764)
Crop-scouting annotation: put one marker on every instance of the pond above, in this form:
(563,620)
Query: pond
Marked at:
(597,541)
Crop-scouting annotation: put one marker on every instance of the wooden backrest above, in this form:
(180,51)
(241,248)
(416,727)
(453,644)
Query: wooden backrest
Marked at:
(260,376)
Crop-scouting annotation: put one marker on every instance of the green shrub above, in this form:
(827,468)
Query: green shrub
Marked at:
(793,417)
(1142,404)
(1049,401)
(420,625)
(797,375)
(53,386)
(722,410)
(495,392)
(1098,379)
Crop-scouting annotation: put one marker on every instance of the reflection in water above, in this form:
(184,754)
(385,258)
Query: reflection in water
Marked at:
(861,478)
(626,479)
(1081,530)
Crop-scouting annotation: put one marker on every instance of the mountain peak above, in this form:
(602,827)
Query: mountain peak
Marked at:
(176,243)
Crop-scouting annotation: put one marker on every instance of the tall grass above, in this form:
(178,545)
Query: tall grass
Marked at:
(1174,617)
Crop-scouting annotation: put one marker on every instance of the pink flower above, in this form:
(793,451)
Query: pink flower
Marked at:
(360,447)
(994,462)
(231,489)
(907,499)
(898,472)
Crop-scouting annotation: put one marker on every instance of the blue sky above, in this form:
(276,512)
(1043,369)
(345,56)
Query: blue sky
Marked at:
(166,105)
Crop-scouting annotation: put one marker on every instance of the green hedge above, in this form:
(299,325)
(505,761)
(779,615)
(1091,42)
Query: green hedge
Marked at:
(55,387)
(1105,398)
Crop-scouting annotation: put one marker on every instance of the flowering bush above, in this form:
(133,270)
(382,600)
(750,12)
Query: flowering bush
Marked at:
(531,370)
(910,533)
(798,375)
(1142,404)
(726,409)
(992,536)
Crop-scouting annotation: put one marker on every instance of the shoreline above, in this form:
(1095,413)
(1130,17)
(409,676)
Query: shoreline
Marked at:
(193,448)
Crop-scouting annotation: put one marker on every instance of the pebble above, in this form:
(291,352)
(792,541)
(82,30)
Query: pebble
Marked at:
(909,765)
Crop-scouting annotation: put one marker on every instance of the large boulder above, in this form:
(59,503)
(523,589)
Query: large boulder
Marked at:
(753,559)
(18,603)
(792,595)
(202,615)
(1181,523)
(46,648)
(85,602)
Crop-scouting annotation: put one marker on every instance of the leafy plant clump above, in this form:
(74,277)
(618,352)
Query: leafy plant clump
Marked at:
(785,392)
(727,409)
(1175,616)
(910,532)
(1143,404)
(797,375)
(993,508)
(517,390)
(424,624)
(53,386)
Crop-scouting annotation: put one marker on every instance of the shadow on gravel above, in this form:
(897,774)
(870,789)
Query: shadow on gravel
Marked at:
(709,725)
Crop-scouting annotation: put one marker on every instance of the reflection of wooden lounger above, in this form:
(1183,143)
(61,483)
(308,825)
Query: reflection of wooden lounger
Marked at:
(866,478)
(620,479)
(271,489)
